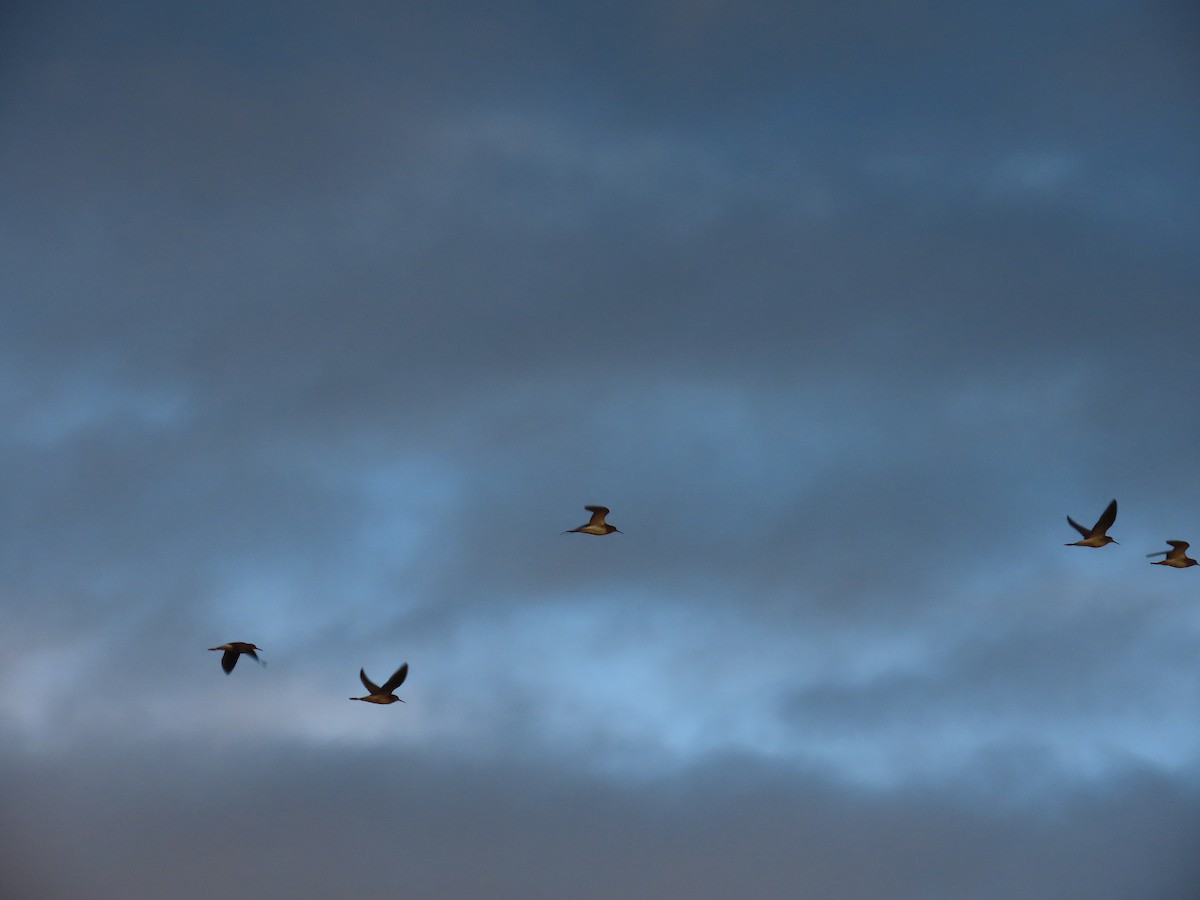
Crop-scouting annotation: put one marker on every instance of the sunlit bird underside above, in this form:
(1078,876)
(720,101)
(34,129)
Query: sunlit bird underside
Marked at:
(386,692)
(1176,557)
(595,525)
(1095,536)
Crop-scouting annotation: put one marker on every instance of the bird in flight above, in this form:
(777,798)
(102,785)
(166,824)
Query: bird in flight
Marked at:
(233,650)
(385,694)
(596,524)
(1095,536)
(1176,557)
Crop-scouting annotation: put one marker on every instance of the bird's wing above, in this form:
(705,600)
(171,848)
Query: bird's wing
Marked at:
(1179,546)
(396,680)
(254,656)
(372,687)
(598,514)
(1107,518)
(228,660)
(1078,527)
(1157,553)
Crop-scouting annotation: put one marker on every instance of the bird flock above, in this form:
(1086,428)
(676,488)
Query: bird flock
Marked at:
(1096,536)
(386,693)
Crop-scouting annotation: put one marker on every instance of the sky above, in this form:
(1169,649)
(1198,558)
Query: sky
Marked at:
(321,323)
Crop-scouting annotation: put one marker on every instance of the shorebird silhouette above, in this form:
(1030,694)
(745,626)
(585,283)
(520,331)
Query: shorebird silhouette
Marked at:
(233,650)
(385,694)
(596,524)
(1176,557)
(1095,537)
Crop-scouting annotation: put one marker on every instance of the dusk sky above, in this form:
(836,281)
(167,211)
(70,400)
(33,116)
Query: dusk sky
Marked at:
(321,322)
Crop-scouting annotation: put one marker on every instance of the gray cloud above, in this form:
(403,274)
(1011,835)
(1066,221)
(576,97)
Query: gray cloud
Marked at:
(321,326)
(383,822)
